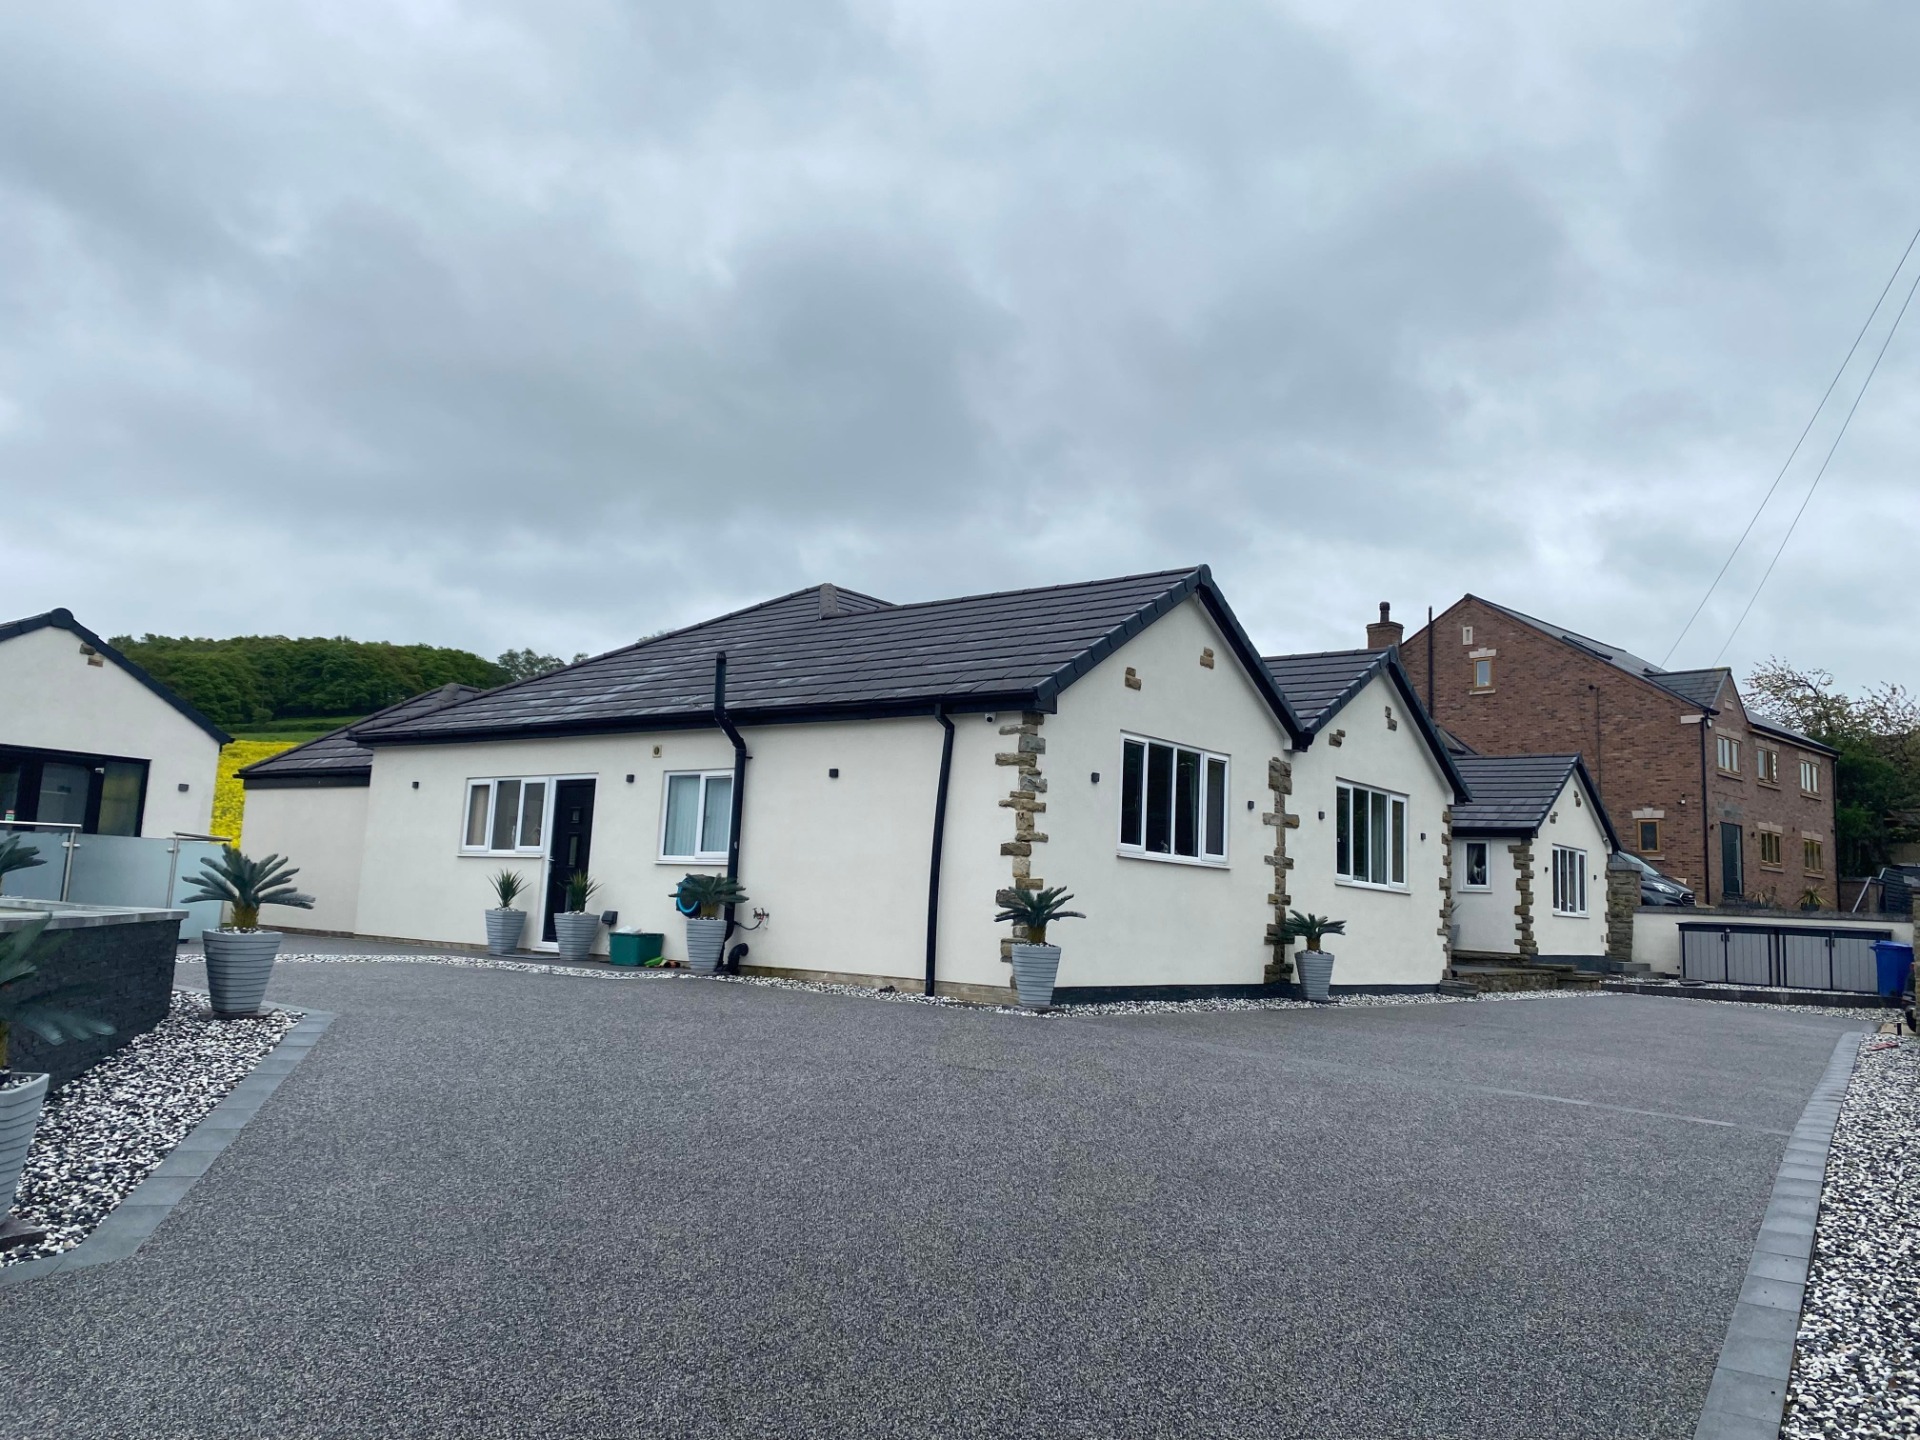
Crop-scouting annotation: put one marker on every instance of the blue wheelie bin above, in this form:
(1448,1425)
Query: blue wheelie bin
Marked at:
(1893,960)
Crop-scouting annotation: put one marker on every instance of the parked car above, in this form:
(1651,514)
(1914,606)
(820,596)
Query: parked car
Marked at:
(1657,889)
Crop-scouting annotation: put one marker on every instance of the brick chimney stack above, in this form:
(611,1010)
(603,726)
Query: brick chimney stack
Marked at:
(1385,631)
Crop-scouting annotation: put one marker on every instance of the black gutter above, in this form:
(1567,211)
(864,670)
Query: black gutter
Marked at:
(740,758)
(939,840)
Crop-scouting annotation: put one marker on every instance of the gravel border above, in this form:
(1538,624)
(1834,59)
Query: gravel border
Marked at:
(914,997)
(106,1161)
(1856,1369)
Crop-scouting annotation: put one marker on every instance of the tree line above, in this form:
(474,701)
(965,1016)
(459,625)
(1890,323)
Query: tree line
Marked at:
(251,680)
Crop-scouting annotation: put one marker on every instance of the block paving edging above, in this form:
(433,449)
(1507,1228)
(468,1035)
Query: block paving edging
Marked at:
(1747,1398)
(126,1227)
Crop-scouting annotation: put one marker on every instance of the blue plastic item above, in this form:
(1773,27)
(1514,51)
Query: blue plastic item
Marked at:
(1893,960)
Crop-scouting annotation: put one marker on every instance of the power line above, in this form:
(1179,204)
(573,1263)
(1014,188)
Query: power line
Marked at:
(1823,468)
(1755,517)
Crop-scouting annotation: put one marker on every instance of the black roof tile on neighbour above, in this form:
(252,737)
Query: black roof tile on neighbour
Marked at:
(336,754)
(825,653)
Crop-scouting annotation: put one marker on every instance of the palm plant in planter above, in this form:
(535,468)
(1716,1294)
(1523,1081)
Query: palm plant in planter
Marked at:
(21,1095)
(16,854)
(701,898)
(1315,965)
(240,954)
(506,923)
(1036,964)
(574,927)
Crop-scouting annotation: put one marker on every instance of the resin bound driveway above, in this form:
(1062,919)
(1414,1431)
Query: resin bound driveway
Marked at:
(500,1204)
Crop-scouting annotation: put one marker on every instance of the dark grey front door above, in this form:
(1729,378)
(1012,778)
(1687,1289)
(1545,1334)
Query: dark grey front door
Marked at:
(571,843)
(1732,870)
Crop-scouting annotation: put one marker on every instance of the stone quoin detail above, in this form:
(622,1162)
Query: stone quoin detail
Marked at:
(1446,891)
(1025,803)
(1623,898)
(1524,940)
(1280,782)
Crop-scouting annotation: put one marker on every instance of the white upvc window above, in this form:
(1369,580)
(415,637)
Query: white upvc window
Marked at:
(1173,802)
(1810,777)
(1370,839)
(506,816)
(1569,880)
(696,815)
(1477,876)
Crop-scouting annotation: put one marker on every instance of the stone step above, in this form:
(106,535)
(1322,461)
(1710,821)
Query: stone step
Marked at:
(1490,978)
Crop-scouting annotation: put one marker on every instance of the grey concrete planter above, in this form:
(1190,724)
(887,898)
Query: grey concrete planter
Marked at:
(19,1114)
(576,930)
(239,964)
(704,941)
(1316,973)
(1035,968)
(504,929)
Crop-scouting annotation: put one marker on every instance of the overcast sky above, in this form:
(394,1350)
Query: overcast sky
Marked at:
(555,324)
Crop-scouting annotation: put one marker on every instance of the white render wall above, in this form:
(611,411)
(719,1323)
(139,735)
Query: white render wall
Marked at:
(841,864)
(52,699)
(1393,936)
(322,830)
(1156,922)
(1656,929)
(1486,918)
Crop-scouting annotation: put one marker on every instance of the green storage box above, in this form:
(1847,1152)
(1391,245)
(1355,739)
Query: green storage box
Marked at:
(634,947)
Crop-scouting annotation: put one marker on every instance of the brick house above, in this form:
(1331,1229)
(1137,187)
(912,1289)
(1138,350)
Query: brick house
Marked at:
(1723,801)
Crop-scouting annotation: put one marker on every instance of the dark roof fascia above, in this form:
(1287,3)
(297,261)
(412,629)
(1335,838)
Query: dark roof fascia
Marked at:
(1593,799)
(312,780)
(916,708)
(1794,737)
(1199,582)
(62,619)
(1404,683)
(1692,704)
(1466,831)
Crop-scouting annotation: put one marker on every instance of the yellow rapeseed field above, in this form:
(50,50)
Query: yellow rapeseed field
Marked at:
(229,796)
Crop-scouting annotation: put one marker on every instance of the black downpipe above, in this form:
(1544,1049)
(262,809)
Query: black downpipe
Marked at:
(939,840)
(1706,821)
(740,758)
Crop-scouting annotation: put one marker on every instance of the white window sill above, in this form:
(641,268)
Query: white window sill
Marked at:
(691,860)
(1572,915)
(504,854)
(1475,889)
(1203,862)
(1345,883)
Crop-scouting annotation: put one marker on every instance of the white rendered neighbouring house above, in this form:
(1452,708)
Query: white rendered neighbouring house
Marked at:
(1373,795)
(90,740)
(1120,737)
(1530,853)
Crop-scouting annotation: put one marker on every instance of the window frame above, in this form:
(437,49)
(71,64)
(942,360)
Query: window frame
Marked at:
(1570,864)
(1477,685)
(1203,815)
(1486,867)
(1809,776)
(1640,834)
(1771,841)
(1396,802)
(1766,767)
(1813,855)
(697,856)
(527,785)
(1727,755)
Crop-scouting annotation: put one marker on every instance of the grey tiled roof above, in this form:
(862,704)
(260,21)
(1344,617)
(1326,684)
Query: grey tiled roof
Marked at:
(1774,727)
(787,660)
(1696,687)
(1318,684)
(336,755)
(1513,794)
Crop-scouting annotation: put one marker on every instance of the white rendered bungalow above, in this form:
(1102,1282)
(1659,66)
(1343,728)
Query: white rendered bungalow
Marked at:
(91,742)
(876,775)
(1372,797)
(1530,853)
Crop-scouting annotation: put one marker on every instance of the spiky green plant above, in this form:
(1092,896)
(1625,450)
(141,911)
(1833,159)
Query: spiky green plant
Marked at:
(707,895)
(246,885)
(1311,928)
(47,1016)
(581,888)
(508,886)
(1034,910)
(16,854)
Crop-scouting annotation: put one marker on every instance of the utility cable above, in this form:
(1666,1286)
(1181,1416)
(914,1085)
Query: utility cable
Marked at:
(1823,468)
(1755,518)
